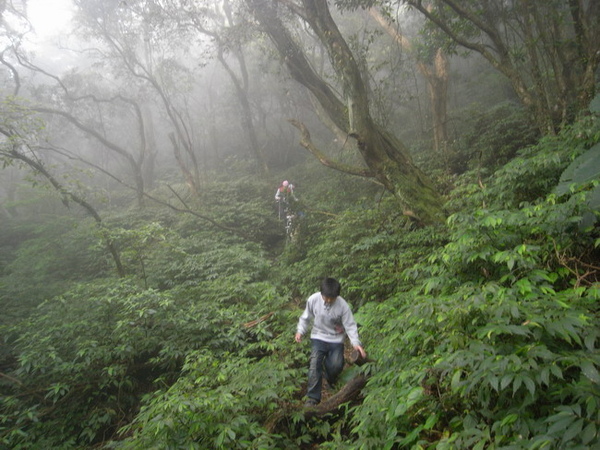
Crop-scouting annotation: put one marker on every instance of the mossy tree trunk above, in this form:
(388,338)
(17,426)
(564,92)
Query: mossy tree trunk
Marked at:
(435,73)
(387,159)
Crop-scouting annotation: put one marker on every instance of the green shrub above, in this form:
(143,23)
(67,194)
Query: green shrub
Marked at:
(497,345)
(218,402)
(41,259)
(86,358)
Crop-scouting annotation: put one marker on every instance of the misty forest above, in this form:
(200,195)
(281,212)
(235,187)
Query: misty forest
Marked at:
(445,163)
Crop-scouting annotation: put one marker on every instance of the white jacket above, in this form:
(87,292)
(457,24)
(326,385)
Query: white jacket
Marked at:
(330,321)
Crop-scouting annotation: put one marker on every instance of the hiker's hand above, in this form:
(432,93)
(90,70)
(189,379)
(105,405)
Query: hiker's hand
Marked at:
(298,337)
(360,350)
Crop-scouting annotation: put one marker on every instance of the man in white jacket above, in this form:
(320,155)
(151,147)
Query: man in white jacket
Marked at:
(332,320)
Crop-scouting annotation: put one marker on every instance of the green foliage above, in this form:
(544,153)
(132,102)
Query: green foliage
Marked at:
(497,344)
(199,262)
(217,403)
(488,364)
(42,259)
(18,123)
(493,139)
(483,334)
(489,138)
(86,358)
(366,249)
(582,173)
(245,204)
(532,175)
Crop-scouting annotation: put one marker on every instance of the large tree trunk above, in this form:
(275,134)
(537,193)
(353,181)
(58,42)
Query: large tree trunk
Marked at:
(436,75)
(385,155)
(150,149)
(438,94)
(241,88)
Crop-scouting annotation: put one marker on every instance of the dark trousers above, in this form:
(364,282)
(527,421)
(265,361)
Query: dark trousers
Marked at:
(328,356)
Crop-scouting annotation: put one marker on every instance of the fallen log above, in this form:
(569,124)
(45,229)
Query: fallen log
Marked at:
(348,392)
(330,406)
(257,321)
(356,358)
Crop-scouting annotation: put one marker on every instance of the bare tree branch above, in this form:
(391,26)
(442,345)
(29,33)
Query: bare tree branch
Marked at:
(307,143)
(66,196)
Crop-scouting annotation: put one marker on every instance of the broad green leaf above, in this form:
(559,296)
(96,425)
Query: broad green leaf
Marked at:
(545,376)
(590,340)
(562,423)
(506,380)
(431,421)
(511,418)
(591,405)
(517,383)
(480,445)
(589,218)
(455,383)
(590,371)
(556,371)
(529,383)
(583,169)
(589,433)
(572,431)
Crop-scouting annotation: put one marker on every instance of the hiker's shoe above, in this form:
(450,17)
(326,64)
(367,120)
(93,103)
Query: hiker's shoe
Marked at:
(311,402)
(328,386)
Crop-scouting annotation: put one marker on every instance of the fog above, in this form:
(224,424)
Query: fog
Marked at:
(151,278)
(128,94)
(49,18)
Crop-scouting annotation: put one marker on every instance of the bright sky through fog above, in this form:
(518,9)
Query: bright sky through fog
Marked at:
(49,17)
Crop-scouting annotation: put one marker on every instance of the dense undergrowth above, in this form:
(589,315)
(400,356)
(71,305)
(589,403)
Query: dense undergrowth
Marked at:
(483,333)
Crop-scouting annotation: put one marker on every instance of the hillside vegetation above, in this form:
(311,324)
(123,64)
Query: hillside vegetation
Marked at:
(482,333)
